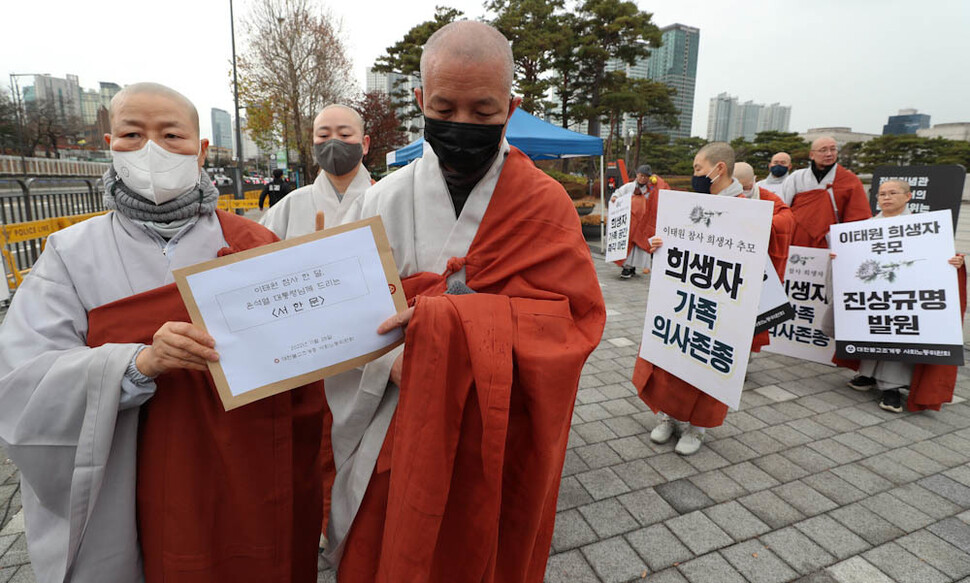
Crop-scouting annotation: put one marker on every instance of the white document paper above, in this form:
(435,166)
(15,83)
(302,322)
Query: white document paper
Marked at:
(805,283)
(296,310)
(705,288)
(896,296)
(618,228)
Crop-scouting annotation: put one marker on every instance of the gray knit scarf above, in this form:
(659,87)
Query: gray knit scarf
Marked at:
(199,201)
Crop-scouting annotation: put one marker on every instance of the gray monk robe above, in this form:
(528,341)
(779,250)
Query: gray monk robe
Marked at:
(74,433)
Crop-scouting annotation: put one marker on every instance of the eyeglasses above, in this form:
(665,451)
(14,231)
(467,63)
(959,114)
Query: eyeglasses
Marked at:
(889,193)
(827,150)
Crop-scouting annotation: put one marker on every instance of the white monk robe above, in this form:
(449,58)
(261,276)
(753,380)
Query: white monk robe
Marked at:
(419,216)
(62,420)
(295,215)
(773,183)
(889,374)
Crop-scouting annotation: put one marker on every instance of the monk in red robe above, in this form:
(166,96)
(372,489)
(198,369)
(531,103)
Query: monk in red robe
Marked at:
(676,400)
(646,185)
(131,468)
(505,310)
(822,195)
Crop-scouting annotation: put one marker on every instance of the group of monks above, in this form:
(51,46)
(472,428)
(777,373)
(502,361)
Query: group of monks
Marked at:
(439,461)
(807,202)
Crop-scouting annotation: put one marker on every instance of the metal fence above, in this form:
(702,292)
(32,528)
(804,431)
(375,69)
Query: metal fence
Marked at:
(32,199)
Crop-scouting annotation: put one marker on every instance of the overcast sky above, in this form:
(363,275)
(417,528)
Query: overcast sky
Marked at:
(835,62)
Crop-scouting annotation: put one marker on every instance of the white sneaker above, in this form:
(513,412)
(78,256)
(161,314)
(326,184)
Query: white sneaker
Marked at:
(690,441)
(662,432)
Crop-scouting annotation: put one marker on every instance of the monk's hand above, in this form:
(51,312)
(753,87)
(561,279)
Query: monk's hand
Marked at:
(319,221)
(613,199)
(956,260)
(177,345)
(831,255)
(655,243)
(394,322)
(399,320)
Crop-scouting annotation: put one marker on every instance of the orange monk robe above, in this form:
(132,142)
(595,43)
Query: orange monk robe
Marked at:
(221,496)
(466,484)
(933,384)
(666,393)
(642,224)
(813,208)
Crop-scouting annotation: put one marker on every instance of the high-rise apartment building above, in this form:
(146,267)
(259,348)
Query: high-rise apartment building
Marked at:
(394,83)
(728,119)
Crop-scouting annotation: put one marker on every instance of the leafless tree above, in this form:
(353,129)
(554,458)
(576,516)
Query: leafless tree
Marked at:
(294,62)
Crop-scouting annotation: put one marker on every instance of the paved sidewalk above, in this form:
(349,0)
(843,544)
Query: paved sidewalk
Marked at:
(810,481)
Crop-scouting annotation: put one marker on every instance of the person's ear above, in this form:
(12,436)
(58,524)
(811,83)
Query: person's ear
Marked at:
(365,144)
(203,150)
(514,103)
(419,97)
(107,140)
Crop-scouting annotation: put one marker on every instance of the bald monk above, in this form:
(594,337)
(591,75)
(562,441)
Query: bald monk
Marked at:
(106,405)
(647,184)
(744,174)
(778,171)
(676,400)
(339,147)
(823,195)
(505,310)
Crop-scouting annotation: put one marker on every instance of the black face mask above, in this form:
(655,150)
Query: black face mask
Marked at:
(463,147)
(337,157)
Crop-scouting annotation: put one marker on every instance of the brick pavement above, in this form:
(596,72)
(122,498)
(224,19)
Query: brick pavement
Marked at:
(810,481)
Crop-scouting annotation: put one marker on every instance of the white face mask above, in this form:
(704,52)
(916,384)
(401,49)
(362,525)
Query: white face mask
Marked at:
(157,174)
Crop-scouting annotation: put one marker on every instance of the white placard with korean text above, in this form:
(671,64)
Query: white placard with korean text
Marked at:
(805,283)
(705,289)
(295,311)
(618,228)
(896,297)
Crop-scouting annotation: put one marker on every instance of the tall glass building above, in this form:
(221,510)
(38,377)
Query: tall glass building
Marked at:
(674,63)
(221,129)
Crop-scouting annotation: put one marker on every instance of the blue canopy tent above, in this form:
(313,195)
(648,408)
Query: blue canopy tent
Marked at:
(538,139)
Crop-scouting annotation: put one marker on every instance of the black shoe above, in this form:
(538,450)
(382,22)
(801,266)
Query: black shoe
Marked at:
(862,383)
(891,401)
(627,273)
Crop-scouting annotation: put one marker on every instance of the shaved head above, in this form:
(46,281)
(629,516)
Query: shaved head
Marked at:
(743,172)
(781,158)
(468,41)
(823,142)
(358,119)
(154,89)
(719,152)
(902,185)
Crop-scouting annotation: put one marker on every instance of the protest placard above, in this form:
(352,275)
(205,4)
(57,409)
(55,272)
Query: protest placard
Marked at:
(705,289)
(618,228)
(296,311)
(774,307)
(805,284)
(896,296)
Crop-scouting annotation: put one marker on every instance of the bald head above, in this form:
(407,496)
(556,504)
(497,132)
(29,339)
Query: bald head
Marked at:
(180,101)
(745,174)
(468,41)
(824,152)
(346,111)
(719,152)
(781,159)
(897,185)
